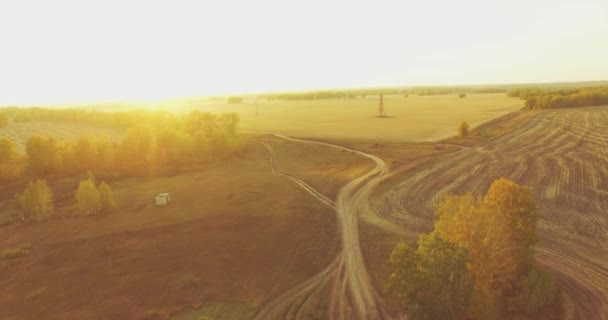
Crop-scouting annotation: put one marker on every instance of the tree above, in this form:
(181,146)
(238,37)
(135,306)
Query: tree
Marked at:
(516,205)
(138,145)
(43,154)
(88,197)
(7,150)
(91,176)
(234,100)
(531,103)
(463,129)
(106,150)
(498,233)
(3,120)
(229,123)
(36,203)
(106,197)
(85,153)
(431,282)
(463,221)
(174,146)
(17,205)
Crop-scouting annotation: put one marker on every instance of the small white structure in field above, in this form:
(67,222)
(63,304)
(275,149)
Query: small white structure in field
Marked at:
(163,199)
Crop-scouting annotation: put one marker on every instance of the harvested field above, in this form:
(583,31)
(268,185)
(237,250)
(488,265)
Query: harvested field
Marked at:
(562,156)
(415,118)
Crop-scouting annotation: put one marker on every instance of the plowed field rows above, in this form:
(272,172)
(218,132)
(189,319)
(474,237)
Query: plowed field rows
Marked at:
(562,156)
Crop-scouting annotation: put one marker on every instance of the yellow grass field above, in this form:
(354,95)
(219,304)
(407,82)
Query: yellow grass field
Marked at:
(415,118)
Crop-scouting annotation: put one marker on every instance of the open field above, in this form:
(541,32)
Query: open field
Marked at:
(297,229)
(20,132)
(314,167)
(561,155)
(416,118)
(235,232)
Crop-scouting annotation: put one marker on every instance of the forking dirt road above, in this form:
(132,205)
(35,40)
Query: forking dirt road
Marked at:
(561,155)
(351,293)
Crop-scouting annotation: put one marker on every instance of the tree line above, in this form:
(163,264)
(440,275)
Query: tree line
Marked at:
(117,119)
(362,93)
(538,98)
(317,95)
(460,91)
(197,137)
(477,263)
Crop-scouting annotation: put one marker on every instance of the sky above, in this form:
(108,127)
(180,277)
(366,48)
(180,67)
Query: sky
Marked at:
(69,51)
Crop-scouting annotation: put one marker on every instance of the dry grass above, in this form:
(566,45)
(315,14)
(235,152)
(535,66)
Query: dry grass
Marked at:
(325,169)
(416,118)
(217,240)
(234,232)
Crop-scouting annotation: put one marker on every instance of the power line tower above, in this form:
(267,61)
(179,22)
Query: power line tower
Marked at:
(381,113)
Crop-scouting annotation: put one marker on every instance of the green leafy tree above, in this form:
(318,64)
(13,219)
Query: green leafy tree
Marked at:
(432,282)
(463,129)
(537,289)
(174,145)
(138,145)
(106,152)
(7,150)
(88,197)
(91,176)
(43,154)
(85,153)
(106,197)
(36,202)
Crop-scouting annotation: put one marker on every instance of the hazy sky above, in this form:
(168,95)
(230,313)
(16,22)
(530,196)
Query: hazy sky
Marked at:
(61,51)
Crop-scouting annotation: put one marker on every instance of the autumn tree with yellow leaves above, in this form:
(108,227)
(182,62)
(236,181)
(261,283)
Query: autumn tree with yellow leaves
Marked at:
(496,233)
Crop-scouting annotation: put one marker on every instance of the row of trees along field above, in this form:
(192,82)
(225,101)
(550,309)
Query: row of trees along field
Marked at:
(537,98)
(166,140)
(116,119)
(194,138)
(36,203)
(478,263)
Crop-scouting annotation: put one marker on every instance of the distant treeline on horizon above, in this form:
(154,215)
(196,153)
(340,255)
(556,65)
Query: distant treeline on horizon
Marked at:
(421,91)
(193,101)
(543,98)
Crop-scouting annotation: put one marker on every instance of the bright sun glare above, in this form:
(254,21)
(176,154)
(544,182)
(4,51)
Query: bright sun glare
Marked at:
(68,51)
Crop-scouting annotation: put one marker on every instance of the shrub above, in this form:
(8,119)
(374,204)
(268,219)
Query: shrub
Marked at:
(15,252)
(463,129)
(537,289)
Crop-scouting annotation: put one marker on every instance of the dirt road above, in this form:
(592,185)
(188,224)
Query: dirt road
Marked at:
(352,295)
(561,155)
